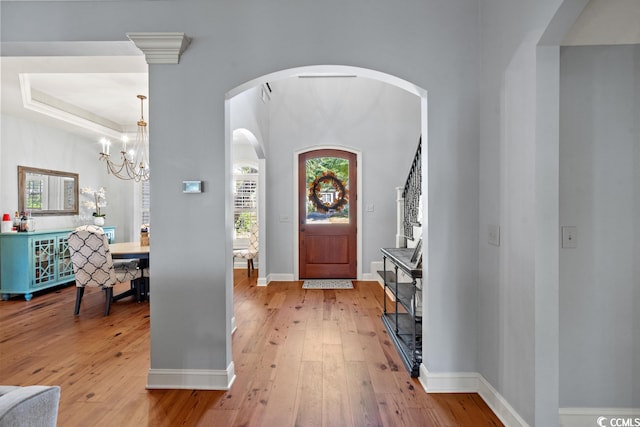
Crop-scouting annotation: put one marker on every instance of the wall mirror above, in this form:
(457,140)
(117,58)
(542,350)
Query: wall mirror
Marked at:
(47,192)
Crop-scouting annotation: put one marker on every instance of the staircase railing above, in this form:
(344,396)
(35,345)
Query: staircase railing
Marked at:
(412,193)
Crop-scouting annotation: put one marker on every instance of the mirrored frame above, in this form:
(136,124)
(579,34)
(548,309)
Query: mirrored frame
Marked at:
(47,192)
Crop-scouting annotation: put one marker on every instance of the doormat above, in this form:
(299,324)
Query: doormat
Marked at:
(327,284)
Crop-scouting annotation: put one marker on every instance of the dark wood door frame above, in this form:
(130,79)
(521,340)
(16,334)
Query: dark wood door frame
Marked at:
(354,204)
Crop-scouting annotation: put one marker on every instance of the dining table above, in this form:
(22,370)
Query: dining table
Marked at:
(133,250)
(128,250)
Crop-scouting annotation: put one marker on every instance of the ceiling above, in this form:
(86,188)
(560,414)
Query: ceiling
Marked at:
(96,95)
(92,96)
(606,22)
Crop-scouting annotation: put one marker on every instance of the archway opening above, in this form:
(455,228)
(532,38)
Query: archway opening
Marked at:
(257,105)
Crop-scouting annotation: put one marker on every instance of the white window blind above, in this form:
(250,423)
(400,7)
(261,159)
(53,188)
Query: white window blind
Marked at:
(245,201)
(145,203)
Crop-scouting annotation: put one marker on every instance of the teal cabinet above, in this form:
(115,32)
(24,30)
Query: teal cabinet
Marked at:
(34,261)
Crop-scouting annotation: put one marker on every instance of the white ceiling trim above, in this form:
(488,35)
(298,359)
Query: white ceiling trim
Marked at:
(161,48)
(42,103)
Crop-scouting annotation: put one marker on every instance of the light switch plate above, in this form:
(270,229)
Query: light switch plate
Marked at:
(192,186)
(569,237)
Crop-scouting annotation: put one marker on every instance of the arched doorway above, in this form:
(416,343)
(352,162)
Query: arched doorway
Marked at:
(281,200)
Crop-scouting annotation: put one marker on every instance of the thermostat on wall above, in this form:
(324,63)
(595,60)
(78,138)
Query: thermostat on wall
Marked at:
(192,186)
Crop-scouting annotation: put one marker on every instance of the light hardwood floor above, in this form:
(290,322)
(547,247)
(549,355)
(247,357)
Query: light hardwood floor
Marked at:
(302,357)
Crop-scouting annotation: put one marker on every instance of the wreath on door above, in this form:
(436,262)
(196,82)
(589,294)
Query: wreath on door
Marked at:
(315,188)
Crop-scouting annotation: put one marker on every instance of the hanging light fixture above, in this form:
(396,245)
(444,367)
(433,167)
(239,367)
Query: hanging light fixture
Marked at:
(134,163)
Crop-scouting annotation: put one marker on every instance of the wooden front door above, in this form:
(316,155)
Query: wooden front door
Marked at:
(327,220)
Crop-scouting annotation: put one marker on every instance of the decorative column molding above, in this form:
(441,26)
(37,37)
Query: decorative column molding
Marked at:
(161,48)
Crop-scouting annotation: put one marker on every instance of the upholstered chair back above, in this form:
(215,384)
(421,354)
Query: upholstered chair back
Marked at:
(92,263)
(252,251)
(253,240)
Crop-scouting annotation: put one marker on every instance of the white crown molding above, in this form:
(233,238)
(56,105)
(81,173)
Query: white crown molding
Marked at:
(161,48)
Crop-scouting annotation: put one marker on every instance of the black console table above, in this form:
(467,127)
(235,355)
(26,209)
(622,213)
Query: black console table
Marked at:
(402,322)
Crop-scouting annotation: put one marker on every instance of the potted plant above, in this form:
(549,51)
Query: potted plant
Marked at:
(100,201)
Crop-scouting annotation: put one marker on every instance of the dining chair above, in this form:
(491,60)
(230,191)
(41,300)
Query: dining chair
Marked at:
(93,265)
(251,252)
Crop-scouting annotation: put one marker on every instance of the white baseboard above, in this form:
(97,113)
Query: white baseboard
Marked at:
(279,277)
(498,404)
(448,382)
(373,275)
(196,379)
(375,267)
(580,417)
(471,382)
(233,325)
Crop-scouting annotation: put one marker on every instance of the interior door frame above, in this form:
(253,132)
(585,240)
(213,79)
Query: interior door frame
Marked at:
(296,209)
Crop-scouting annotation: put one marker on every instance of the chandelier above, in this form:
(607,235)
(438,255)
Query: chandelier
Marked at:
(134,164)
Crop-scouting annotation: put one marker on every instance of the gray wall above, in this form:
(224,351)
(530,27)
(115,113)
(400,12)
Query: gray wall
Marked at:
(376,118)
(432,44)
(520,297)
(517,346)
(26,143)
(380,120)
(479,62)
(600,195)
(249,112)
